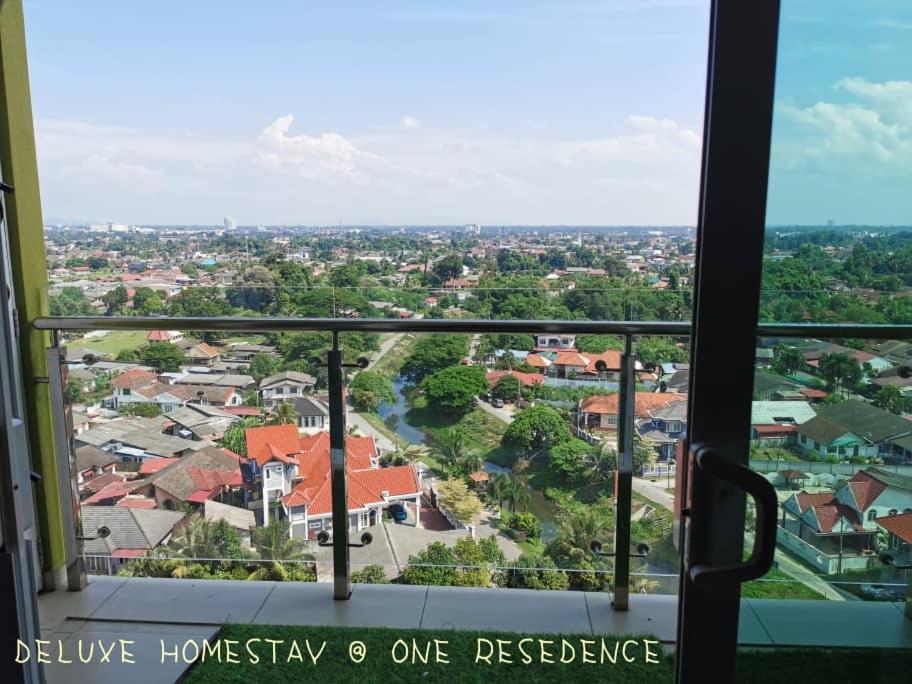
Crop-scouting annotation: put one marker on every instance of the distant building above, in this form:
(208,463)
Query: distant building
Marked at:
(230,223)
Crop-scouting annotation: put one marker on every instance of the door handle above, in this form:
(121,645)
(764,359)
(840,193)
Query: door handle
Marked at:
(711,462)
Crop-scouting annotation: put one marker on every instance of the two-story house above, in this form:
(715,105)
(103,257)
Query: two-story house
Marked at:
(285,386)
(835,532)
(313,414)
(665,427)
(294,473)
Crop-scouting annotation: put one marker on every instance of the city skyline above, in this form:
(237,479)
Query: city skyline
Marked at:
(582,114)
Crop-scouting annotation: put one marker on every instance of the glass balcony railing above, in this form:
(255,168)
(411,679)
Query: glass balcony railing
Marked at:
(481,453)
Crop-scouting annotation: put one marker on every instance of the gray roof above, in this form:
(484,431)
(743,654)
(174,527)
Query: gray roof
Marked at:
(131,528)
(768,382)
(305,406)
(142,433)
(858,417)
(240,518)
(767,412)
(288,376)
(92,457)
(675,411)
(217,379)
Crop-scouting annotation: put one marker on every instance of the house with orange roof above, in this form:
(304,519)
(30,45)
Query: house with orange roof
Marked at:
(835,532)
(294,471)
(202,354)
(164,336)
(601,411)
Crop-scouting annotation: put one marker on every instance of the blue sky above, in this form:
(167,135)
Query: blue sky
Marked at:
(576,112)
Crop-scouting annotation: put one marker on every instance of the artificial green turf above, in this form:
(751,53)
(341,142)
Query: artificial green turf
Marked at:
(335,664)
(794,666)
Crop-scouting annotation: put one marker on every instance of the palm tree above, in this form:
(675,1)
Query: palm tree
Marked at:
(518,495)
(274,543)
(285,414)
(580,526)
(453,449)
(603,463)
(195,539)
(499,487)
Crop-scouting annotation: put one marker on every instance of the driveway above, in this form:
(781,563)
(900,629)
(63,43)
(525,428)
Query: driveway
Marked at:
(505,414)
(378,552)
(655,491)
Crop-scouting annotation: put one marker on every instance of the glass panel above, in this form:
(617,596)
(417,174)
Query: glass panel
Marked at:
(831,417)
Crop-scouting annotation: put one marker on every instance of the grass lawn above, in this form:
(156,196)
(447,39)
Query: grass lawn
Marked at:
(779,586)
(486,430)
(391,362)
(113,342)
(335,664)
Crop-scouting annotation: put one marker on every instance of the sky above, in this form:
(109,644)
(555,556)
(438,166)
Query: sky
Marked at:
(578,112)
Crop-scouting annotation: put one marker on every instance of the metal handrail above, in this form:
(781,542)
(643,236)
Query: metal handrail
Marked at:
(447,325)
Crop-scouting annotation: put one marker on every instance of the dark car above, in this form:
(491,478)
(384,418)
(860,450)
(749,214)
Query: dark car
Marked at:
(497,403)
(397,512)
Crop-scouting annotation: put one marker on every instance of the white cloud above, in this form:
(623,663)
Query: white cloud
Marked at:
(409,122)
(648,172)
(876,125)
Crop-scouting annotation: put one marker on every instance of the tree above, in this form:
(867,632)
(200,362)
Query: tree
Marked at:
(580,526)
(74,391)
(261,366)
(348,275)
(369,390)
(602,463)
(255,289)
(598,344)
(535,429)
(148,302)
(285,414)
(235,438)
(434,566)
(126,355)
(273,543)
(787,360)
(659,350)
(453,448)
(841,372)
(115,299)
(463,504)
(433,353)
(570,458)
(145,409)
(203,538)
(448,268)
(499,487)
(455,389)
(517,494)
(162,356)
(536,572)
(891,398)
(71,302)
(370,574)
(506,388)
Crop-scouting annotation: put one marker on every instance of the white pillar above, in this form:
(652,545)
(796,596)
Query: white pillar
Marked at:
(418,511)
(265,503)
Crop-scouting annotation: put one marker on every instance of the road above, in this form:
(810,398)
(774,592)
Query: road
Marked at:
(655,492)
(505,414)
(384,348)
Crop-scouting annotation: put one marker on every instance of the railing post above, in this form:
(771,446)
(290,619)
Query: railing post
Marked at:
(62,416)
(623,481)
(341,565)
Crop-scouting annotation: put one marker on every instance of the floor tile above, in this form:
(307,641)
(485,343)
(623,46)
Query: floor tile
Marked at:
(145,650)
(648,614)
(370,605)
(831,623)
(56,606)
(511,610)
(186,601)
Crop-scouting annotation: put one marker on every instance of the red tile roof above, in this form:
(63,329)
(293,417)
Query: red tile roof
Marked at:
(570,358)
(865,488)
(264,442)
(115,490)
(242,411)
(153,465)
(537,361)
(814,393)
(828,511)
(134,379)
(899,525)
(644,403)
(136,502)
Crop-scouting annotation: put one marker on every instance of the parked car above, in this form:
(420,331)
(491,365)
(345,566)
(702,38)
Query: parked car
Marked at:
(397,513)
(497,403)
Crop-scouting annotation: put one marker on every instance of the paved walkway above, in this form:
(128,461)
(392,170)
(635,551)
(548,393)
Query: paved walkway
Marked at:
(384,348)
(505,414)
(654,491)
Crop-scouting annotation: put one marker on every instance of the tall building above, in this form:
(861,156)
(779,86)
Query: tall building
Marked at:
(230,222)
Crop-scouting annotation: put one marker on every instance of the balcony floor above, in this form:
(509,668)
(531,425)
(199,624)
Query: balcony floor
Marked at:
(149,610)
